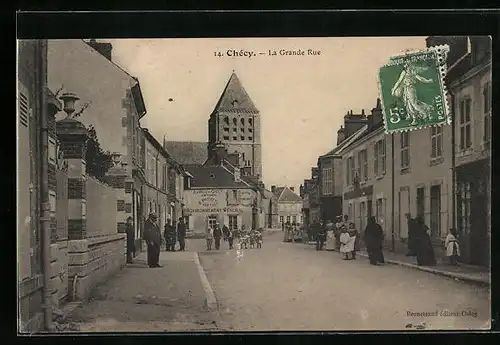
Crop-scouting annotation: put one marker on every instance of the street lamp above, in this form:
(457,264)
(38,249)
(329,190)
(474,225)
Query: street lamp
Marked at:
(69,99)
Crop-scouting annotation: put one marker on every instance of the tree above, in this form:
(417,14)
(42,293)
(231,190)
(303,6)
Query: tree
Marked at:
(98,161)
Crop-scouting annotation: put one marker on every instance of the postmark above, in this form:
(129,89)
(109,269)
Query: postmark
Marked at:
(413,91)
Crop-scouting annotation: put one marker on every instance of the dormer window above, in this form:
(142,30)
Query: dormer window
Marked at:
(212,175)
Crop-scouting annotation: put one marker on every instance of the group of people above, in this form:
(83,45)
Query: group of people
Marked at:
(153,238)
(344,238)
(215,233)
(291,231)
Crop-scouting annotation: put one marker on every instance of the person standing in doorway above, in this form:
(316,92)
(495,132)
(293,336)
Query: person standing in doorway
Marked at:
(217,236)
(181,234)
(373,238)
(412,231)
(129,227)
(423,244)
(152,236)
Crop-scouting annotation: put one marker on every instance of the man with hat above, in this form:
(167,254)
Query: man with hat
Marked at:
(152,236)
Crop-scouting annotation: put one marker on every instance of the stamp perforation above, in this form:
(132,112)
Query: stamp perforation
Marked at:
(441,52)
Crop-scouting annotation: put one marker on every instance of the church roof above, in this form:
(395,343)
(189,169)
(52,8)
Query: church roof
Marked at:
(234,98)
(213,176)
(187,152)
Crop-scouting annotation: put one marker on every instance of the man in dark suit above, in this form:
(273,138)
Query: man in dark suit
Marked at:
(152,236)
(181,234)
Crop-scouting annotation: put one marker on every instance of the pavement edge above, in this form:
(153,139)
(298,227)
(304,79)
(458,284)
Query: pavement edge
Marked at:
(459,276)
(210,300)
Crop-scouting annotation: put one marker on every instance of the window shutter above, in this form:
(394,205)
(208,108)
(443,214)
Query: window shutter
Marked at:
(24,181)
(239,221)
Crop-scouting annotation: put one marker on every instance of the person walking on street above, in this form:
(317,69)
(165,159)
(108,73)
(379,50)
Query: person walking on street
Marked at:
(423,245)
(373,238)
(229,235)
(452,247)
(170,236)
(209,237)
(217,236)
(330,236)
(412,231)
(320,236)
(152,236)
(129,227)
(181,234)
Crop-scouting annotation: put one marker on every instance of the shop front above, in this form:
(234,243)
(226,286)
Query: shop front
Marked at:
(232,207)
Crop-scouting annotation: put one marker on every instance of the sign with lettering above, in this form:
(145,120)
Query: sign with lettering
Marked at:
(246,198)
(216,201)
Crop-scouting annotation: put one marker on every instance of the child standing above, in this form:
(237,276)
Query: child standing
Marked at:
(210,238)
(344,243)
(452,247)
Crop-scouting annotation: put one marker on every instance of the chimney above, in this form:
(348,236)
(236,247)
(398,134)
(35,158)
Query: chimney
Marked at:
(340,135)
(376,116)
(104,49)
(273,189)
(237,176)
(292,189)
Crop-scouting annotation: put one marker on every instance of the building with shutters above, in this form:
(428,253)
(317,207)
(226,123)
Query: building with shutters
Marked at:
(469,81)
(290,205)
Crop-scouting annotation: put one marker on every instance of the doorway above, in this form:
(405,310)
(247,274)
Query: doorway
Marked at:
(404,208)
(369,209)
(421,202)
(479,227)
(435,223)
(212,220)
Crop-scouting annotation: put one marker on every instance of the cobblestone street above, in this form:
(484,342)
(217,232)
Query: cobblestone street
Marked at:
(287,286)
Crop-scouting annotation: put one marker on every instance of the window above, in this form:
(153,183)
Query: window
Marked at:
(242,121)
(235,122)
(348,171)
(226,129)
(250,122)
(487,112)
(226,120)
(379,163)
(362,215)
(233,222)
(242,130)
(363,165)
(250,138)
(327,181)
(282,219)
(294,219)
(226,137)
(164,177)
(235,138)
(250,130)
(349,211)
(234,129)
(465,124)
(288,219)
(436,142)
(242,137)
(405,149)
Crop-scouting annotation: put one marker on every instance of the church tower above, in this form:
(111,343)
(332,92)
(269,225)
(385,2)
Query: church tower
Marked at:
(235,122)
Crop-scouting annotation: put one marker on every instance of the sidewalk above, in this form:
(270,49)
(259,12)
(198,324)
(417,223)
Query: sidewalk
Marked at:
(468,273)
(172,298)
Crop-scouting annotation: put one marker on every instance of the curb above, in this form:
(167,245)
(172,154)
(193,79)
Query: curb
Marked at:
(210,300)
(460,276)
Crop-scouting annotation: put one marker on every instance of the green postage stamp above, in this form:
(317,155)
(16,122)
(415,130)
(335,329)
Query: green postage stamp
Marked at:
(413,92)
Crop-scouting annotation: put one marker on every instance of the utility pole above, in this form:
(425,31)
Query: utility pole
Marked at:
(393,193)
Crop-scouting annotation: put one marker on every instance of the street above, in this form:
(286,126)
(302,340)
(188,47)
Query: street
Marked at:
(282,286)
(287,286)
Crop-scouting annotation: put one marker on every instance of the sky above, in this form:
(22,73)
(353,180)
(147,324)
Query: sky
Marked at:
(302,98)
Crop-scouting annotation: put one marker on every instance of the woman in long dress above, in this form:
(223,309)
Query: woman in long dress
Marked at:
(452,247)
(330,236)
(405,87)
